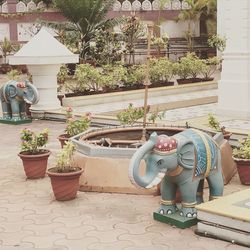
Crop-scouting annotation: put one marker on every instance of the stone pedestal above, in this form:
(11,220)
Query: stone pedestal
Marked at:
(45,79)
(234,86)
(44,55)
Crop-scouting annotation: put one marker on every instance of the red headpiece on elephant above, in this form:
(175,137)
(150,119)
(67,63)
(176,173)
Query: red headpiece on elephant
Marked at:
(165,145)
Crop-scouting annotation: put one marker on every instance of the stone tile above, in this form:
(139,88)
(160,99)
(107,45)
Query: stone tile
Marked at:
(44,241)
(151,247)
(76,221)
(76,244)
(108,235)
(134,228)
(119,245)
(102,224)
(21,246)
(16,216)
(42,219)
(18,226)
(139,240)
(43,230)
(14,238)
(74,233)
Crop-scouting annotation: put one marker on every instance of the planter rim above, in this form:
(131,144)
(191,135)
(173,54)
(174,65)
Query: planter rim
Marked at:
(240,159)
(45,152)
(55,174)
(65,136)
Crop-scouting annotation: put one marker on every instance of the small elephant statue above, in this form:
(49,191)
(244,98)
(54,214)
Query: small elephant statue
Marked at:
(182,161)
(14,95)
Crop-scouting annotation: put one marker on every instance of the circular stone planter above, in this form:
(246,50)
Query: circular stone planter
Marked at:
(105,155)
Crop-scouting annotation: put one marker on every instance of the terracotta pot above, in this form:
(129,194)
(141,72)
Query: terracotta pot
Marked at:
(64,185)
(243,167)
(35,165)
(227,135)
(63,138)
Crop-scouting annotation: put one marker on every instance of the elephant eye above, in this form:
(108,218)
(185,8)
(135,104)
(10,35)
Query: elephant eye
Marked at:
(159,163)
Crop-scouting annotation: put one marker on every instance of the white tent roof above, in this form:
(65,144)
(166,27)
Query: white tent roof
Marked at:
(43,48)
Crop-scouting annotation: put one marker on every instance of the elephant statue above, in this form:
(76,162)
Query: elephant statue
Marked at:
(182,161)
(14,95)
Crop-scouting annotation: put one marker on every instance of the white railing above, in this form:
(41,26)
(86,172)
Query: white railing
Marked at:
(146,5)
(23,7)
(124,5)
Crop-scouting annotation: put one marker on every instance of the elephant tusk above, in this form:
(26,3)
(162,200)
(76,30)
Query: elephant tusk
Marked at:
(156,180)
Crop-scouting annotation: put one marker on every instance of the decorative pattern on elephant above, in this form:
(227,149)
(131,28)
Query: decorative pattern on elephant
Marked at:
(205,151)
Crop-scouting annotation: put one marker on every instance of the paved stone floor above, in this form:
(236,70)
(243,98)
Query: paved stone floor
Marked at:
(31,219)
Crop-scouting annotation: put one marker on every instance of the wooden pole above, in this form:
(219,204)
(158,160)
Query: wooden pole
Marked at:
(146,83)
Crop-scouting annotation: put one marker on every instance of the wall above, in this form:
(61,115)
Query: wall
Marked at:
(18,21)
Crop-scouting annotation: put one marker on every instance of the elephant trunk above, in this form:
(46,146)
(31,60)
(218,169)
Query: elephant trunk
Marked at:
(35,97)
(152,176)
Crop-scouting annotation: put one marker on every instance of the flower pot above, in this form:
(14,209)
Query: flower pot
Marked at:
(227,135)
(35,164)
(63,138)
(243,167)
(64,185)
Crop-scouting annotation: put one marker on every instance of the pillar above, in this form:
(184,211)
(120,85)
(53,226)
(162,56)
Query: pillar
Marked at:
(234,86)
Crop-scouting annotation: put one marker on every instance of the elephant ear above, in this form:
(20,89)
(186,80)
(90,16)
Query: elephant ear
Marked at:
(186,155)
(12,90)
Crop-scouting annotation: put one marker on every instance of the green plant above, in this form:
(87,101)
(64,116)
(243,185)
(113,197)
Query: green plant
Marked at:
(209,66)
(113,76)
(132,31)
(77,126)
(14,74)
(85,17)
(183,68)
(32,142)
(156,115)
(6,48)
(215,41)
(64,161)
(88,77)
(243,151)
(213,122)
(62,74)
(105,47)
(196,64)
(130,115)
(160,42)
(160,70)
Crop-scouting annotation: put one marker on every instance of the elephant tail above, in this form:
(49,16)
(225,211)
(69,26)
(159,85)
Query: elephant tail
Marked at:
(219,138)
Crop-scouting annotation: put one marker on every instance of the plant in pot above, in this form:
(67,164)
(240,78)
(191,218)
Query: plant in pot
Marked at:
(241,156)
(214,124)
(74,126)
(33,155)
(65,176)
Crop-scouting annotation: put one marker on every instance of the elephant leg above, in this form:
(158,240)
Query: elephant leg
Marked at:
(23,110)
(199,194)
(216,185)
(6,110)
(168,194)
(15,109)
(188,193)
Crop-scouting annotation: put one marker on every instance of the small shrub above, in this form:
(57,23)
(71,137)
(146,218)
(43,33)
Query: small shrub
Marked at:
(217,42)
(14,74)
(209,67)
(62,74)
(213,122)
(243,151)
(32,142)
(130,115)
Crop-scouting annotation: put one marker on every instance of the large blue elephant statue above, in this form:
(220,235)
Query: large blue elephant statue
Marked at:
(182,161)
(14,95)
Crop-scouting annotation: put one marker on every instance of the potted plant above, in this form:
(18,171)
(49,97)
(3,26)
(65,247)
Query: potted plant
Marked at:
(65,176)
(209,67)
(74,126)
(214,124)
(241,156)
(34,157)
